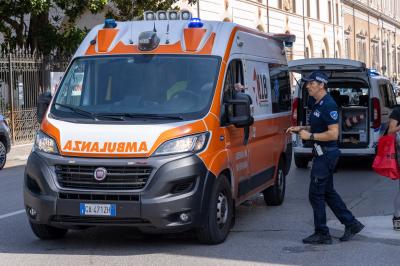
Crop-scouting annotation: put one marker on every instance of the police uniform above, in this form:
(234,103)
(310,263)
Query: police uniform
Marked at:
(323,114)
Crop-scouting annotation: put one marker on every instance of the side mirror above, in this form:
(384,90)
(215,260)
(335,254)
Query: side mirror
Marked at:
(238,111)
(42,105)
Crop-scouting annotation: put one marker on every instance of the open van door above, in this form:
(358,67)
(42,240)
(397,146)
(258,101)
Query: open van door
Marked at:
(326,64)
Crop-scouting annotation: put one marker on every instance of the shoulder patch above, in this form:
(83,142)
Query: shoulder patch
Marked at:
(334,115)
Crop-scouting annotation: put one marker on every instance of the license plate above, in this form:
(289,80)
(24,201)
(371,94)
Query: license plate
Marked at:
(98,209)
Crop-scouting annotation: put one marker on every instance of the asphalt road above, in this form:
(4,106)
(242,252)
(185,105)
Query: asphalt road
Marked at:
(262,235)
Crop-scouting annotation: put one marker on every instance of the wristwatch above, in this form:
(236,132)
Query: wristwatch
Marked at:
(312,136)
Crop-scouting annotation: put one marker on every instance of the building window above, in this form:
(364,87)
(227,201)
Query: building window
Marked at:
(384,58)
(338,52)
(337,13)
(325,49)
(375,54)
(347,46)
(318,9)
(393,70)
(398,61)
(309,52)
(308,8)
(330,11)
(361,47)
(288,5)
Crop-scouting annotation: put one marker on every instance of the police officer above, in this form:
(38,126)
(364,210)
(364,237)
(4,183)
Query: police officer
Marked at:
(323,132)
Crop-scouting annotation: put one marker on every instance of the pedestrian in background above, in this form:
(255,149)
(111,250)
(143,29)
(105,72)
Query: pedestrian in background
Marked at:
(394,128)
(323,132)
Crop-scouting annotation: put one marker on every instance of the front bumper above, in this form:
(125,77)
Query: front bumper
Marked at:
(156,207)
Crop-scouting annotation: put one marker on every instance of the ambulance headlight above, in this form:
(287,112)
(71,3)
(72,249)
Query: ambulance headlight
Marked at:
(45,143)
(193,143)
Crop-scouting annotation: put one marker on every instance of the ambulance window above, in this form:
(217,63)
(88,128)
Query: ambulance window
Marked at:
(234,75)
(280,88)
(75,81)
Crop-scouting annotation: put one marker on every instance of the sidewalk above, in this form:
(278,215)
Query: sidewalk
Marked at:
(375,227)
(18,155)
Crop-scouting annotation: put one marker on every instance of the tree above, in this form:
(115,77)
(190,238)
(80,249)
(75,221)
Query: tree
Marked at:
(47,35)
(128,9)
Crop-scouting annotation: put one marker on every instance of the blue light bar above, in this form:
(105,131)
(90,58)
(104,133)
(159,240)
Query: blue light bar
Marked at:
(109,23)
(373,72)
(195,23)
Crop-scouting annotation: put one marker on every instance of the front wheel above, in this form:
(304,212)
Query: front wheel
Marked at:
(275,195)
(47,232)
(3,155)
(219,216)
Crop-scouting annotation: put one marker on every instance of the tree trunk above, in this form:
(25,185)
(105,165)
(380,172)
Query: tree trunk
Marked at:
(38,26)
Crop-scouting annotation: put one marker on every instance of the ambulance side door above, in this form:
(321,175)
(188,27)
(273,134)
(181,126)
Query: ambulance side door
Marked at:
(236,147)
(263,147)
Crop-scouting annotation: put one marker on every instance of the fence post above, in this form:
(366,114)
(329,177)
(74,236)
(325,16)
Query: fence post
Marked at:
(11,94)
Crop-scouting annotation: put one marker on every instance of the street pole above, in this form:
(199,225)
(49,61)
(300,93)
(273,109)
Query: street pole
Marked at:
(304,33)
(11,77)
(268,16)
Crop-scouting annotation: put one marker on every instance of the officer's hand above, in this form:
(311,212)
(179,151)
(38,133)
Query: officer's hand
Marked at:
(304,134)
(293,129)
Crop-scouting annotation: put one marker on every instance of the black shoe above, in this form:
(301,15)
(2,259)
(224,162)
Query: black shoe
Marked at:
(318,238)
(396,223)
(352,230)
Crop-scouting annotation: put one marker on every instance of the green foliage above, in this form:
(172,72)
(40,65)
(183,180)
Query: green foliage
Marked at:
(47,34)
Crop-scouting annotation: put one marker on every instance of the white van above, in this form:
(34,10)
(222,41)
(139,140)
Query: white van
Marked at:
(364,98)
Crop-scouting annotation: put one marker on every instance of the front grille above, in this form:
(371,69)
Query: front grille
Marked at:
(98,220)
(118,177)
(79,196)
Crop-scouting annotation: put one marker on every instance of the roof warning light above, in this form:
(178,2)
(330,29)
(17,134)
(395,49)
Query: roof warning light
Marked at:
(195,23)
(109,23)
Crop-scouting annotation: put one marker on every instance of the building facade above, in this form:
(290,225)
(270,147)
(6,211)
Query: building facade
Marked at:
(365,30)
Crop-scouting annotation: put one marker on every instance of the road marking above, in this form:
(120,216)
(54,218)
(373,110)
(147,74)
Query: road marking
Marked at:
(11,214)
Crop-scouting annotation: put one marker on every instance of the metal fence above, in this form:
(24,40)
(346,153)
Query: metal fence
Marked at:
(23,76)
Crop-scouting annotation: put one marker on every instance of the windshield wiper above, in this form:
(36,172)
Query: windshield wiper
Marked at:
(138,115)
(77,110)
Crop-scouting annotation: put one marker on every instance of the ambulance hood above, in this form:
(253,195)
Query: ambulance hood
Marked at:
(116,140)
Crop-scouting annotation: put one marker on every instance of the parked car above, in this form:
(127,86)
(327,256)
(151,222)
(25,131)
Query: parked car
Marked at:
(365,100)
(5,143)
(396,89)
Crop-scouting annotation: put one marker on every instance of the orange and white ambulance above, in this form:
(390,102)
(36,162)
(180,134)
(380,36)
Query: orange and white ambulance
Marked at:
(162,124)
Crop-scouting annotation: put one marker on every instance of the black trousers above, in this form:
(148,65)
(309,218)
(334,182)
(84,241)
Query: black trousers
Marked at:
(322,192)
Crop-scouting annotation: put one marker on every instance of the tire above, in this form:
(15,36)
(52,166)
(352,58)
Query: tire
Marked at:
(3,155)
(301,162)
(47,232)
(274,196)
(218,222)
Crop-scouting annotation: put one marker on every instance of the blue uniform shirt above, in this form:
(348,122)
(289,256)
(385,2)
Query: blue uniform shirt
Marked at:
(322,115)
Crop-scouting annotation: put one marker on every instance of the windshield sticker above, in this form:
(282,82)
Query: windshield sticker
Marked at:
(105,147)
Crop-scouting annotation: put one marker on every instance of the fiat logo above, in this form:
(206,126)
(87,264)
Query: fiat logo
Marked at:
(100,173)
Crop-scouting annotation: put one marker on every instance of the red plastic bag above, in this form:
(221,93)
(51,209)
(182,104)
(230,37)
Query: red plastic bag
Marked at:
(385,162)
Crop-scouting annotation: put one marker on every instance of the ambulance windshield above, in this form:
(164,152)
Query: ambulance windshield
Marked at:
(137,86)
